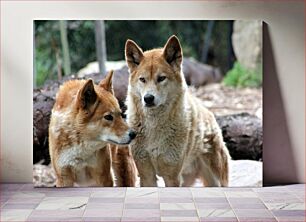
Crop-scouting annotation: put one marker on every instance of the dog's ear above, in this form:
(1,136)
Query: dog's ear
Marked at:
(173,52)
(133,54)
(107,82)
(87,95)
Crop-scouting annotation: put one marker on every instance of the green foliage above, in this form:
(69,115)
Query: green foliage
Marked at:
(240,76)
(148,34)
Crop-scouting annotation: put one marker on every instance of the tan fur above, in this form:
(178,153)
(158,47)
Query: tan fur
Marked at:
(178,139)
(124,166)
(79,133)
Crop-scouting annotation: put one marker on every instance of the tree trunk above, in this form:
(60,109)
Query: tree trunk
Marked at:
(206,43)
(65,47)
(243,135)
(100,45)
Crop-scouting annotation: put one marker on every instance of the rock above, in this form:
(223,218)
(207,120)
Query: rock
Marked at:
(198,74)
(243,135)
(93,67)
(247,43)
(43,176)
(246,173)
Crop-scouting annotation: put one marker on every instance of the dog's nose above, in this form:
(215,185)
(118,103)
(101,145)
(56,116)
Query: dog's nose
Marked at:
(149,99)
(132,134)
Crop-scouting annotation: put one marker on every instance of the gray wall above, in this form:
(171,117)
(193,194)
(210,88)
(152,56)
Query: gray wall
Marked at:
(284,66)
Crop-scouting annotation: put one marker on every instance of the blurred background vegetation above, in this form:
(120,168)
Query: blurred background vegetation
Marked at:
(64,47)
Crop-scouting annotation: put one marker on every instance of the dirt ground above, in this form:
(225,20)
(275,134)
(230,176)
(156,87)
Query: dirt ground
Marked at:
(223,100)
(218,98)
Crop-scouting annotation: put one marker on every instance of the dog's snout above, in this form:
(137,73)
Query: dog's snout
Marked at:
(132,134)
(149,99)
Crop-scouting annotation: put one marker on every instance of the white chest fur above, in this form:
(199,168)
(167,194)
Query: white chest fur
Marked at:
(80,156)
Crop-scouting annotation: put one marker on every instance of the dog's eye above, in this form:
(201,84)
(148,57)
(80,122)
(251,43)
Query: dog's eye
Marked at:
(123,115)
(142,79)
(108,117)
(161,78)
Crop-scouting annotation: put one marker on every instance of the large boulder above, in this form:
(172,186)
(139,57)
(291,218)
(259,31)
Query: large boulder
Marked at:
(199,74)
(247,43)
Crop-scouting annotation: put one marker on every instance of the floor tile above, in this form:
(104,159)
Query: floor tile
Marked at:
(216,213)
(240,200)
(146,192)
(176,200)
(177,206)
(3,200)
(142,213)
(274,189)
(174,193)
(141,219)
(14,214)
(27,187)
(291,219)
(26,194)
(92,205)
(255,213)
(55,219)
(105,200)
(63,193)
(224,205)
(178,213)
(141,206)
(178,219)
(198,192)
(289,213)
(210,200)
(57,213)
(240,194)
(218,219)
(142,200)
(101,219)
(286,206)
(254,219)
(20,206)
(10,186)
(62,203)
(25,200)
(174,189)
(103,213)
(248,206)
(106,193)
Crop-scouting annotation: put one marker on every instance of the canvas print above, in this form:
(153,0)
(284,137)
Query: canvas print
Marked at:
(147,103)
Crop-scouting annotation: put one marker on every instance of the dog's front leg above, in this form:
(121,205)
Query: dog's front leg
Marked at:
(169,167)
(147,173)
(65,177)
(102,172)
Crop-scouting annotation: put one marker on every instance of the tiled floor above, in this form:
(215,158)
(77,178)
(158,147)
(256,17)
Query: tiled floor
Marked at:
(22,202)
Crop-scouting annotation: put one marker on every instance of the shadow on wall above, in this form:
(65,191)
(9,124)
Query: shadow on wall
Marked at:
(279,164)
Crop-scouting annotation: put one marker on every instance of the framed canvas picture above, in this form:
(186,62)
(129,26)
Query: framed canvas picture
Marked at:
(146,103)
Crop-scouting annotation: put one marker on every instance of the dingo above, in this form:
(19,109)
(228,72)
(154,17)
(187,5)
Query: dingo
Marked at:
(177,138)
(85,118)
